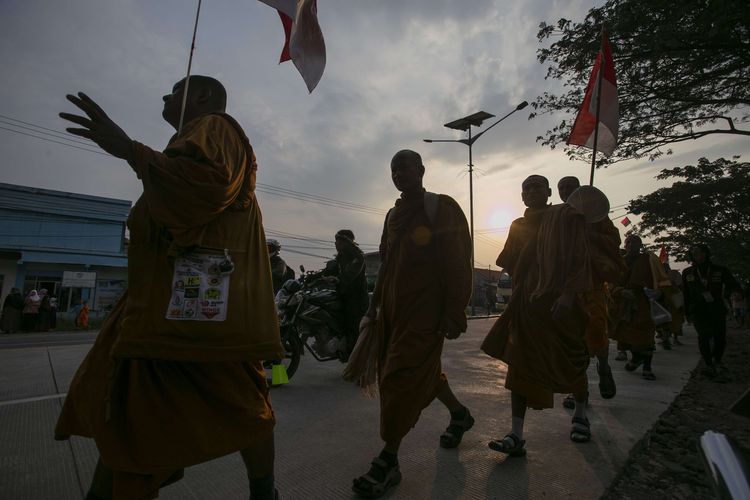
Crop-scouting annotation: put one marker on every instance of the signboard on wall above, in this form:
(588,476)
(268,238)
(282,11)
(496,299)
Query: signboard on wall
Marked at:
(79,279)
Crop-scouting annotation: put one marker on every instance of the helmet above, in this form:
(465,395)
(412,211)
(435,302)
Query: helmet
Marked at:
(274,246)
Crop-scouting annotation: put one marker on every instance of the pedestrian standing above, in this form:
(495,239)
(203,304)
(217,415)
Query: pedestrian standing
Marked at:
(31,311)
(12,311)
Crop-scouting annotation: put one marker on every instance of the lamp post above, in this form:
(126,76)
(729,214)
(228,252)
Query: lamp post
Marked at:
(464,124)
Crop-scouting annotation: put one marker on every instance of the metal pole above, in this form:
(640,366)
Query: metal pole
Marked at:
(471,219)
(190,63)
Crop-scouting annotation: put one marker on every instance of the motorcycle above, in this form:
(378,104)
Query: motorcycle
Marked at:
(311,318)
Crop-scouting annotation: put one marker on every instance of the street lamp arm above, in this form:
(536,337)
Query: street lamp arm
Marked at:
(519,107)
(445,140)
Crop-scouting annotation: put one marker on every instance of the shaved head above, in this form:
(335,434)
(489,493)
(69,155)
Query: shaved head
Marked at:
(566,186)
(407,171)
(205,95)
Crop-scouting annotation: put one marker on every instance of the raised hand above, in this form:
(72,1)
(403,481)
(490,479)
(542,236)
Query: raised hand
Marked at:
(99,127)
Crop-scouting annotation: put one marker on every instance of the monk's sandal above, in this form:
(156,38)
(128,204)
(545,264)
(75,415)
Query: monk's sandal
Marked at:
(511,445)
(378,479)
(454,433)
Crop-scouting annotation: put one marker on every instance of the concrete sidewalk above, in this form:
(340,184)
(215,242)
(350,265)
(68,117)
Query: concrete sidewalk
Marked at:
(327,433)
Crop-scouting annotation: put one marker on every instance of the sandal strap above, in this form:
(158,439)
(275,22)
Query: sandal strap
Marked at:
(582,421)
(516,440)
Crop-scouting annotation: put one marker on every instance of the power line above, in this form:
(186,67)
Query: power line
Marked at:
(260,187)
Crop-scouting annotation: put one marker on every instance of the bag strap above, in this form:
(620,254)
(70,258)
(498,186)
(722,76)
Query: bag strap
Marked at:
(430,207)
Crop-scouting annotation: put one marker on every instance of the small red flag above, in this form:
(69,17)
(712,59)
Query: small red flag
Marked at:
(625,221)
(582,133)
(663,255)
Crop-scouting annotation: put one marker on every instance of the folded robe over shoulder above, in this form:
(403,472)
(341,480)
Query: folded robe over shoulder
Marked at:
(198,197)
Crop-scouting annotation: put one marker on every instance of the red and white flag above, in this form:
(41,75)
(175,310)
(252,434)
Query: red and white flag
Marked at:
(663,257)
(304,43)
(582,133)
(625,221)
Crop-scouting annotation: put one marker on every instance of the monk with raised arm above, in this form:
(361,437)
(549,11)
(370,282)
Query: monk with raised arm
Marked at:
(175,376)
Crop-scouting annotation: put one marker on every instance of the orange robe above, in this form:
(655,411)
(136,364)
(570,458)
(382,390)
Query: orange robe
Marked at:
(82,320)
(603,240)
(426,287)
(545,356)
(159,395)
(633,327)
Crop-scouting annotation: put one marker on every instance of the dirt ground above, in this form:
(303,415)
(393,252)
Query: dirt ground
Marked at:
(666,463)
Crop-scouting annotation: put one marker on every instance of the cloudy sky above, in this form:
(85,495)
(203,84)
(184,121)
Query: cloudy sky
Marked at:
(397,70)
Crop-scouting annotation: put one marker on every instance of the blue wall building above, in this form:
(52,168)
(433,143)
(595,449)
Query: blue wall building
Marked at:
(46,236)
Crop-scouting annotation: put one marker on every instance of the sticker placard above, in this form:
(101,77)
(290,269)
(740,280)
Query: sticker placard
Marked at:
(199,291)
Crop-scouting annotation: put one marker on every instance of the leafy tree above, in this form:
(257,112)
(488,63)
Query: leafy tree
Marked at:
(683,71)
(710,204)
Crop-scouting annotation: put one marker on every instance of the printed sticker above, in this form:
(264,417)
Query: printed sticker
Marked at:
(199,291)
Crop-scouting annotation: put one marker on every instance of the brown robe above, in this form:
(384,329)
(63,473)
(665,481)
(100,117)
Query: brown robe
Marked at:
(607,264)
(633,327)
(160,395)
(545,356)
(426,287)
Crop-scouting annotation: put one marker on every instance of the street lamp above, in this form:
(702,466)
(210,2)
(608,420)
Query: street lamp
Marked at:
(464,124)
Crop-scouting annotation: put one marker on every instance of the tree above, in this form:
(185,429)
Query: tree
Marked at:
(711,205)
(683,71)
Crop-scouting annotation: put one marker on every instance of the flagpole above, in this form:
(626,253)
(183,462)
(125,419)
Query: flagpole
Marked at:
(190,63)
(598,106)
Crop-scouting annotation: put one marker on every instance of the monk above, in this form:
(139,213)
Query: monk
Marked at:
(423,286)
(82,318)
(541,336)
(175,376)
(633,326)
(609,266)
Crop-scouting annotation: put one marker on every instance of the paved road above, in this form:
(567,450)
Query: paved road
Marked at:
(327,433)
(46,339)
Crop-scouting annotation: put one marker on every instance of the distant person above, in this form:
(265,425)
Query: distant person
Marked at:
(176,377)
(12,311)
(52,312)
(280,271)
(705,285)
(43,318)
(608,266)
(541,335)
(420,298)
(633,325)
(82,317)
(676,303)
(739,302)
(31,311)
(352,286)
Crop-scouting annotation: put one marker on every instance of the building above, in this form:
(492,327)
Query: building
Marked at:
(71,244)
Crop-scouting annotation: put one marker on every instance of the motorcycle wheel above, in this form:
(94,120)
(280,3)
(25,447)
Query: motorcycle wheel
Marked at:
(293,349)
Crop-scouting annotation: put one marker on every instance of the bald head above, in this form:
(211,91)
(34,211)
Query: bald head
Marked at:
(205,95)
(407,171)
(566,186)
(535,191)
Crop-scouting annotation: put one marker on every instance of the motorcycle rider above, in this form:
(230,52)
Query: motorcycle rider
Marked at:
(352,286)
(280,272)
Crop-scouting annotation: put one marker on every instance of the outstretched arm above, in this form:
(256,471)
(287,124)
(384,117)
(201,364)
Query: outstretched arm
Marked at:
(99,128)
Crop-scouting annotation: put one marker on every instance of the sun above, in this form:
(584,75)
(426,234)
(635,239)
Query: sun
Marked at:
(500,218)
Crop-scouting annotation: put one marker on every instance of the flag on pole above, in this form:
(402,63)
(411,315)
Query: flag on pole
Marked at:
(663,255)
(582,133)
(304,43)
(625,221)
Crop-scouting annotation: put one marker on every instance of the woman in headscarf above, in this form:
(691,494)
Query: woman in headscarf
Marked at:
(31,311)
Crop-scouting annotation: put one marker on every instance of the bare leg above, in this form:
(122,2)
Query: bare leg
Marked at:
(449,399)
(101,483)
(259,461)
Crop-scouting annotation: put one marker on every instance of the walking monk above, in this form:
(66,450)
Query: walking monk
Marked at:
(541,336)
(175,377)
(423,286)
(607,266)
